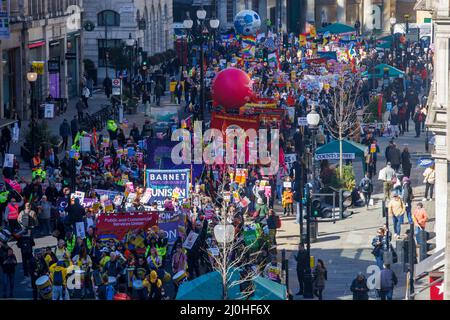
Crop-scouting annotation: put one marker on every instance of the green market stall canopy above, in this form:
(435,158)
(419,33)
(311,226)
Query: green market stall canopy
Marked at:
(379,72)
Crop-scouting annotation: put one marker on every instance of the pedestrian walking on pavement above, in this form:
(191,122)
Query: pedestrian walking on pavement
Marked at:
(159,91)
(406,162)
(379,244)
(26,244)
(386,175)
(420,218)
(85,95)
(395,157)
(396,209)
(64,132)
(429,179)
(8,264)
(320,276)
(359,287)
(388,280)
(417,118)
(407,197)
(107,86)
(302,265)
(366,187)
(80,107)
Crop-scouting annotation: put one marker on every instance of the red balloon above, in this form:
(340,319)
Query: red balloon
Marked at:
(232,88)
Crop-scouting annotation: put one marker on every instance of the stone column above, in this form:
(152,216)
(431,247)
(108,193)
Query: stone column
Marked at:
(262,11)
(310,11)
(341,11)
(1,82)
(440,192)
(284,15)
(222,14)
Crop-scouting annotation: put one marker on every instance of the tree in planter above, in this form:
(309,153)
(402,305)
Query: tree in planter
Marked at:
(344,114)
(348,177)
(42,136)
(118,59)
(91,70)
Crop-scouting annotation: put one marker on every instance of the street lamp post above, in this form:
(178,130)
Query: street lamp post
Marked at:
(32,77)
(198,35)
(313,119)
(224,234)
(130,44)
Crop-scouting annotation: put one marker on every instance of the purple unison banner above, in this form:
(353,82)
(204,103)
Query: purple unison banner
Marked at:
(170,222)
(166,183)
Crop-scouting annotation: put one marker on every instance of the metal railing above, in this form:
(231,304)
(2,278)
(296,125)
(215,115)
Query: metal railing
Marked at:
(99,119)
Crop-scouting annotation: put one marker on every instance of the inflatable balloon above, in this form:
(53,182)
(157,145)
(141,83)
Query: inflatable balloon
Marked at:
(247,22)
(232,88)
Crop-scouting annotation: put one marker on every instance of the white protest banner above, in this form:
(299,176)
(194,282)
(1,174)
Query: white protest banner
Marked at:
(9,160)
(85,144)
(146,197)
(287,184)
(78,195)
(190,240)
(80,229)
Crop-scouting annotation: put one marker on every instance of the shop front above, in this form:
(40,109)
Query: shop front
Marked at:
(11,82)
(54,68)
(73,64)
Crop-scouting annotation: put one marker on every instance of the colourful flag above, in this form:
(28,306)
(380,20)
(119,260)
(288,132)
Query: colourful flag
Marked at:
(249,39)
(312,32)
(302,39)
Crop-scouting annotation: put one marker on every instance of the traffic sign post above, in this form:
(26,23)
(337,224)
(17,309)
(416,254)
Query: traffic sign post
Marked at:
(117,91)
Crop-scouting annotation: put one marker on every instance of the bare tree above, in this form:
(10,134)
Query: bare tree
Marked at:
(344,113)
(234,256)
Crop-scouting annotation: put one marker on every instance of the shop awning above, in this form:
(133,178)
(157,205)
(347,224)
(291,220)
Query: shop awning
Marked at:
(337,28)
(266,289)
(350,150)
(207,287)
(379,72)
(433,262)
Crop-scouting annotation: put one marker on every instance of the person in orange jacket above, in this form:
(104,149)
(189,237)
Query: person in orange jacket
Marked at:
(420,218)
(287,201)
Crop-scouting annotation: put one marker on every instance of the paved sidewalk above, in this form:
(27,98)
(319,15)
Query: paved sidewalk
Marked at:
(345,246)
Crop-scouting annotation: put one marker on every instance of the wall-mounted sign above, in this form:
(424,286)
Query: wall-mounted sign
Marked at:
(4,19)
(38,67)
(53,66)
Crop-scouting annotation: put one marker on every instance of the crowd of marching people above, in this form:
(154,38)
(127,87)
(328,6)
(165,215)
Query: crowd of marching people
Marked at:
(83,266)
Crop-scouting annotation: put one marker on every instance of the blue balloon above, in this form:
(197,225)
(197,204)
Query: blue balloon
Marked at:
(247,22)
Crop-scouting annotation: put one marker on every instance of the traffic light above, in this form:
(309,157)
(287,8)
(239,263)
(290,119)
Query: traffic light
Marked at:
(316,207)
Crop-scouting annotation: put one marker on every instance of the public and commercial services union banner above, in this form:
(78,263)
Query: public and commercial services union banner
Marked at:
(129,227)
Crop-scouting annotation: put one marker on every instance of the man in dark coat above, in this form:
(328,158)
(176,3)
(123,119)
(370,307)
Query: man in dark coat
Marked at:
(64,132)
(302,266)
(395,157)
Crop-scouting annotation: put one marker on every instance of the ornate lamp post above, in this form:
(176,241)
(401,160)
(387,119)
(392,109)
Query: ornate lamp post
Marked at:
(198,35)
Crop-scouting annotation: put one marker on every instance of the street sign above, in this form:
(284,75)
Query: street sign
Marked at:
(116,87)
(71,56)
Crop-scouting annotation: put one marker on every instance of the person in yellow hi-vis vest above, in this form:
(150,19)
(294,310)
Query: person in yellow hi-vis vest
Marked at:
(58,275)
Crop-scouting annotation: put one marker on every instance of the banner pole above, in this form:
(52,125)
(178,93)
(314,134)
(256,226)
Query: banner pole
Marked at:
(145,171)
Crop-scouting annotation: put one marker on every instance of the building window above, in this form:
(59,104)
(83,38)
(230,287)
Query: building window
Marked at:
(105,46)
(255,5)
(109,18)
(230,13)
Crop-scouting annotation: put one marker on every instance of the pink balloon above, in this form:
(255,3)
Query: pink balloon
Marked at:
(232,88)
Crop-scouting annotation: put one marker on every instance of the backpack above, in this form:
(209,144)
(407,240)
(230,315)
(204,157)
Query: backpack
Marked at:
(278,222)
(366,186)
(410,193)
(58,278)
